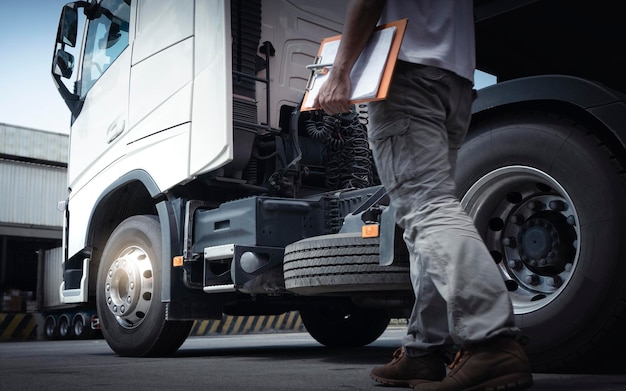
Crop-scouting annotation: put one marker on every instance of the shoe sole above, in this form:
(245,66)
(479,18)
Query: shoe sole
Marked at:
(395,383)
(399,383)
(512,382)
(389,382)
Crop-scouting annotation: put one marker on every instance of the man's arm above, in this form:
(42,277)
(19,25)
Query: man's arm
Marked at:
(361,19)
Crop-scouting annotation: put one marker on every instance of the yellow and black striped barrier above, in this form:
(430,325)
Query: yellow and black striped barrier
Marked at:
(17,327)
(23,326)
(289,321)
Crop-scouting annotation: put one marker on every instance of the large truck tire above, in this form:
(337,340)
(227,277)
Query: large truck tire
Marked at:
(64,328)
(338,263)
(80,327)
(50,328)
(132,316)
(341,326)
(549,198)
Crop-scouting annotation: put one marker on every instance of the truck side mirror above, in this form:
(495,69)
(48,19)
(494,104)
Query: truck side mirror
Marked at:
(63,64)
(68,26)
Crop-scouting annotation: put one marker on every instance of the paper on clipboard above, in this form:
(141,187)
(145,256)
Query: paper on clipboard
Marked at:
(376,60)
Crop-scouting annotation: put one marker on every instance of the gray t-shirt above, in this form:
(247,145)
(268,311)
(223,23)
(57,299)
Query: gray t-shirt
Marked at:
(439,33)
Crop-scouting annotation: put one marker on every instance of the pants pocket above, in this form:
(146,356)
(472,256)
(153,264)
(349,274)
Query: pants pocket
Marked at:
(393,128)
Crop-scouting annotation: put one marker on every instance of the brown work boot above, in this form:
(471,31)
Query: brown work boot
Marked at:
(497,364)
(407,371)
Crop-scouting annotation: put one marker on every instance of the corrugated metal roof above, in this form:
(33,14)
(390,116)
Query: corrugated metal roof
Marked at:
(33,144)
(30,189)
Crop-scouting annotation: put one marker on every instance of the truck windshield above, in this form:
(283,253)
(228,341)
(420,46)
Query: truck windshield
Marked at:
(107,37)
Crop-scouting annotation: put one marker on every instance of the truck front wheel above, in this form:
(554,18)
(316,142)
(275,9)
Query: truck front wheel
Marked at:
(132,316)
(548,198)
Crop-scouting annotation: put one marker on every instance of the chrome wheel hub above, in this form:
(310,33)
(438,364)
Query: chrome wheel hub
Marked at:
(128,287)
(530,226)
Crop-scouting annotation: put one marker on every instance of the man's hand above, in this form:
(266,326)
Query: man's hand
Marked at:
(334,95)
(361,18)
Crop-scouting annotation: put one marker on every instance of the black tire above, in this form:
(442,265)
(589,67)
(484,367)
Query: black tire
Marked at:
(64,327)
(340,263)
(50,328)
(80,329)
(132,316)
(344,326)
(549,200)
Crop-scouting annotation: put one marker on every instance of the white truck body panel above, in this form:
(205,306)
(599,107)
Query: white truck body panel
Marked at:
(211,141)
(150,103)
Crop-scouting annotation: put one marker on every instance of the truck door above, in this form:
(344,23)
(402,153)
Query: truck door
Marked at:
(103,86)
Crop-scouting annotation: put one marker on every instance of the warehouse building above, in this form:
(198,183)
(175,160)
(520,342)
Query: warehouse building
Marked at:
(33,180)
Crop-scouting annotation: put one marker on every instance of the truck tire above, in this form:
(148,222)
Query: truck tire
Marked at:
(549,198)
(128,296)
(343,327)
(340,263)
(80,330)
(64,329)
(50,328)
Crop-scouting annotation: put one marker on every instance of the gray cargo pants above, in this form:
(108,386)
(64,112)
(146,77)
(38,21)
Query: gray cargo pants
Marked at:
(415,136)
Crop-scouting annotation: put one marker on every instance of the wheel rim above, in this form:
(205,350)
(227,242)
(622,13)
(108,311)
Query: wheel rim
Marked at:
(128,287)
(79,327)
(64,326)
(530,226)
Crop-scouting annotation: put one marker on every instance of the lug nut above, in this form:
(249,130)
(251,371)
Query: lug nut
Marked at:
(558,205)
(517,219)
(571,220)
(515,264)
(532,279)
(509,241)
(554,281)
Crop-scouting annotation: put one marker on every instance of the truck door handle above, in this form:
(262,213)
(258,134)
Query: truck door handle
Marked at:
(114,130)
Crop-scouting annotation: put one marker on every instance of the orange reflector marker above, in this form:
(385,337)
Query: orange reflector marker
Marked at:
(369,231)
(177,261)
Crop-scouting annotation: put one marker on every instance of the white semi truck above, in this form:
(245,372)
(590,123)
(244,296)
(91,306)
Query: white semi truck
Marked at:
(197,188)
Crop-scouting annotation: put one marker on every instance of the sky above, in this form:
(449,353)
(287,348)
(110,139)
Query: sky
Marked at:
(28,96)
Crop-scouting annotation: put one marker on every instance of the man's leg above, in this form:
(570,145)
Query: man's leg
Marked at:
(459,291)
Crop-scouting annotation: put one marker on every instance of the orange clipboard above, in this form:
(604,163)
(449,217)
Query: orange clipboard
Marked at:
(371,73)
